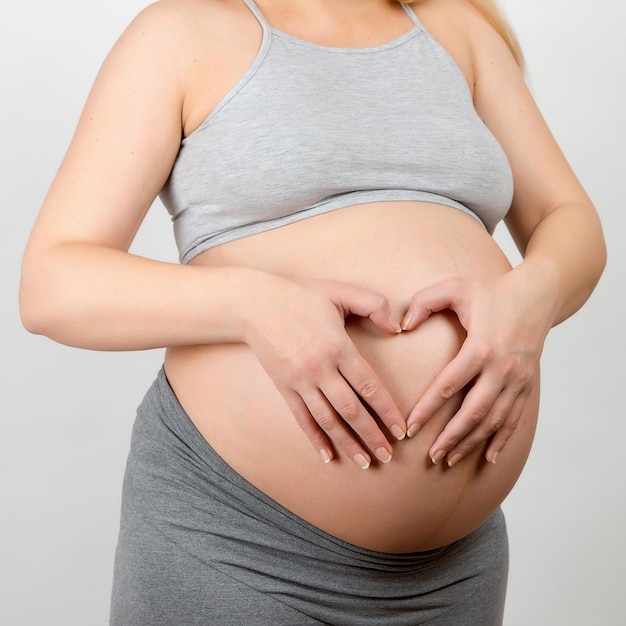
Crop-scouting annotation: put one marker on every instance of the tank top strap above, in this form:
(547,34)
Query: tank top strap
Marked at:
(258,14)
(411,13)
(266,26)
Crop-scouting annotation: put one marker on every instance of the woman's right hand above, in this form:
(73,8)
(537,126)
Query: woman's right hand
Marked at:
(296,329)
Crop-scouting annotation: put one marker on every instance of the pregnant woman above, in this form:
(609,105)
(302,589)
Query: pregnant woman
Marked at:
(350,386)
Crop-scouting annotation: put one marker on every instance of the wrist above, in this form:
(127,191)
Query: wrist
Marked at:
(541,279)
(251,293)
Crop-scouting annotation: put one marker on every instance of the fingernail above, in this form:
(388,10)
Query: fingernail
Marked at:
(383,455)
(398,432)
(454,460)
(413,430)
(361,461)
(406,322)
(435,458)
(325,456)
(494,458)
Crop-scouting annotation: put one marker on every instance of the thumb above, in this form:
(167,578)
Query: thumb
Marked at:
(365,303)
(432,299)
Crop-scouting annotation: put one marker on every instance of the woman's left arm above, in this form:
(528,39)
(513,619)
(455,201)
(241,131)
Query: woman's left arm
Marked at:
(557,230)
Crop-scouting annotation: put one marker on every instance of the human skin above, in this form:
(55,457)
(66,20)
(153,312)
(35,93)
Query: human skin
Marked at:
(245,308)
(409,503)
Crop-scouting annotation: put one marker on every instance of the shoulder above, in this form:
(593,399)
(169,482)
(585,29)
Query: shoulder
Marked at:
(465,17)
(172,23)
(174,29)
(186,12)
(169,39)
(472,36)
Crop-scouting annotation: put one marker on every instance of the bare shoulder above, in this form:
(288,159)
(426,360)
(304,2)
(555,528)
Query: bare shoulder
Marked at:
(464,16)
(192,49)
(187,13)
(467,34)
(174,27)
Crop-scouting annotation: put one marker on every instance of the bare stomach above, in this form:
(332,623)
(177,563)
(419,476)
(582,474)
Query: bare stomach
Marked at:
(409,504)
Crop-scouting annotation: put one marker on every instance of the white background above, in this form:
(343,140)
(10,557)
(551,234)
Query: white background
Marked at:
(66,414)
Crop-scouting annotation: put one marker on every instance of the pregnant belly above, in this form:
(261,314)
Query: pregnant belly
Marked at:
(406,505)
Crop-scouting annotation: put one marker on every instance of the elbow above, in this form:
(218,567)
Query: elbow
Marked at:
(601,255)
(32,308)
(36,298)
(603,259)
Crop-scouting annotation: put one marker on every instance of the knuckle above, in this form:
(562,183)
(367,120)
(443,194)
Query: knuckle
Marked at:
(475,417)
(504,433)
(450,442)
(509,426)
(349,410)
(306,366)
(298,368)
(497,424)
(483,353)
(447,389)
(309,365)
(367,389)
(326,419)
(295,375)
(334,351)
(371,438)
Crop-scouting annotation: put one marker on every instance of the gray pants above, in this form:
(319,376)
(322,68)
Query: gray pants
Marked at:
(199,545)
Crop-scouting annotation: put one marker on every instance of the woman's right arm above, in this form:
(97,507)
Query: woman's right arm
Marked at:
(80,285)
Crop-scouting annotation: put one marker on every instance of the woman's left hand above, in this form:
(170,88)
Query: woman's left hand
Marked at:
(507,319)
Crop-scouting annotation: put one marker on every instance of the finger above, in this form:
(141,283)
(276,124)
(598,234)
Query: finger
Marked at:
(333,421)
(362,425)
(494,422)
(432,299)
(310,427)
(454,377)
(367,385)
(503,435)
(383,318)
(472,415)
(365,303)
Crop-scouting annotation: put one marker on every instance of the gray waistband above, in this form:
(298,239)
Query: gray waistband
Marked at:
(181,488)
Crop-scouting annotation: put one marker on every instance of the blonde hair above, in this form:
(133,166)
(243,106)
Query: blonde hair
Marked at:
(493,14)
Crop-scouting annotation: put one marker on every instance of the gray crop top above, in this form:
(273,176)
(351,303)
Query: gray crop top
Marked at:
(310,129)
